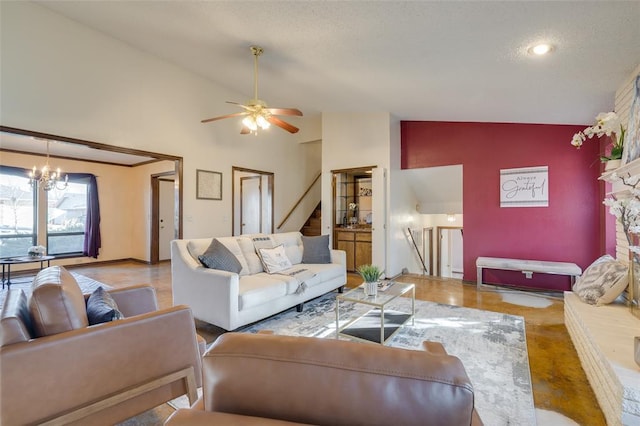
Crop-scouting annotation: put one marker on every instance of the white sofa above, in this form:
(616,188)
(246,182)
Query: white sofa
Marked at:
(230,300)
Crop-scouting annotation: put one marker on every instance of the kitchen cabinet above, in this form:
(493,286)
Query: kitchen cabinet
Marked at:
(357,245)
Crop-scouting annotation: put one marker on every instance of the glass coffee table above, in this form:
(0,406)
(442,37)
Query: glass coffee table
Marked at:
(380,323)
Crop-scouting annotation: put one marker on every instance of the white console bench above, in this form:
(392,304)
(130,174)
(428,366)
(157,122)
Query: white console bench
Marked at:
(603,337)
(527,267)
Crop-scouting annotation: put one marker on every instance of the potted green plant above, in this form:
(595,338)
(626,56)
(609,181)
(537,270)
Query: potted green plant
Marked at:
(371,275)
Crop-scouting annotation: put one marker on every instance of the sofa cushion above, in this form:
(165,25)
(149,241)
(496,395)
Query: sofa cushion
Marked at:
(15,322)
(323,272)
(197,246)
(260,288)
(292,242)
(602,282)
(316,249)
(249,252)
(296,278)
(102,308)
(262,241)
(56,304)
(218,256)
(274,259)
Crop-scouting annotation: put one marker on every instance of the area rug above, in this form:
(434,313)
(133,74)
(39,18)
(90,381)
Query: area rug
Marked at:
(87,285)
(492,347)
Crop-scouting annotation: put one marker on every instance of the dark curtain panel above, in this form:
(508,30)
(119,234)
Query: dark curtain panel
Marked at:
(92,239)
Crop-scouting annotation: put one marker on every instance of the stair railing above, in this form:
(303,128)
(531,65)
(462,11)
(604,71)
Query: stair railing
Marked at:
(424,267)
(299,201)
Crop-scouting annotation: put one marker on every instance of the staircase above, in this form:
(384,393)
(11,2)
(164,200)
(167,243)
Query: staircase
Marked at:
(312,226)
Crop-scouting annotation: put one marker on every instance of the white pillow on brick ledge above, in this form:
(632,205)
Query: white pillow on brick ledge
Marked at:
(602,282)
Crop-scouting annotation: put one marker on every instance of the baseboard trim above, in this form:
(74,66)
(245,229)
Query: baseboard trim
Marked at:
(97,263)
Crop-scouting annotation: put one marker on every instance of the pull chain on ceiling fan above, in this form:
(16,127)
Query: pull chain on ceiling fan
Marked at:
(257,115)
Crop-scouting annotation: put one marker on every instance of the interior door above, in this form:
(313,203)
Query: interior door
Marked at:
(250,205)
(455,239)
(166,214)
(450,262)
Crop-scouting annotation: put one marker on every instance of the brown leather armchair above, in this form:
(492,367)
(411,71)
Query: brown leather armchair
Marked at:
(261,379)
(100,374)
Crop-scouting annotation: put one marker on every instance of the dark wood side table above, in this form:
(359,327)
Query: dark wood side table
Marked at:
(8,261)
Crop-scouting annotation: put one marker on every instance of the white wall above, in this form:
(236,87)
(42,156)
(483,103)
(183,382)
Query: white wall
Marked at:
(401,253)
(62,78)
(353,140)
(139,238)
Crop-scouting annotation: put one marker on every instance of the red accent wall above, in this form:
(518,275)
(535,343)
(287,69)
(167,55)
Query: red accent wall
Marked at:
(569,230)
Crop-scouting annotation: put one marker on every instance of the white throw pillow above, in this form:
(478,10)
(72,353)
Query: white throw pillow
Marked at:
(274,259)
(602,282)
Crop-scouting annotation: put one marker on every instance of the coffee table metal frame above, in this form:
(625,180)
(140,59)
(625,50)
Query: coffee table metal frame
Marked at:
(379,301)
(16,260)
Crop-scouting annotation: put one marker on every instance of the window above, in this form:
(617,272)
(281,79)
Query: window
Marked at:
(17,215)
(62,216)
(66,219)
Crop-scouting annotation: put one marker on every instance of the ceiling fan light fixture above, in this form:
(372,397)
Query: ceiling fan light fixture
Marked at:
(250,122)
(262,122)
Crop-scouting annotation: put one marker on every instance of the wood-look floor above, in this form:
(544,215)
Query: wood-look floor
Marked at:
(559,383)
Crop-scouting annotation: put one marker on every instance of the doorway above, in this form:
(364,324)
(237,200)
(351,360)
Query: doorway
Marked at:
(164,214)
(450,250)
(252,207)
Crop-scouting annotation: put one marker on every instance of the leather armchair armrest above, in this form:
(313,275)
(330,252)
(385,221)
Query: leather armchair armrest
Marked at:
(135,300)
(93,362)
(434,348)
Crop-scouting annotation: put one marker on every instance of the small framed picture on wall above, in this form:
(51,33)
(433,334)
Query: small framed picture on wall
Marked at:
(208,185)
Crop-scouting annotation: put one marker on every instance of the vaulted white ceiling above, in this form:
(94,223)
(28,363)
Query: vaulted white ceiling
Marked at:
(418,60)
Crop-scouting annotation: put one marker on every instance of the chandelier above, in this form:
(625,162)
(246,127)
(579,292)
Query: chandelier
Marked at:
(47,179)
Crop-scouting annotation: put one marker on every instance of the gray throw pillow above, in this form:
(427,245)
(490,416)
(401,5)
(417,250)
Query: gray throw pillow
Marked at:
(316,249)
(102,308)
(217,256)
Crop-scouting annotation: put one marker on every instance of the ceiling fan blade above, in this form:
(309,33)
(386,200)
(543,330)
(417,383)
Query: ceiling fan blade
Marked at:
(284,111)
(245,130)
(240,105)
(235,114)
(282,124)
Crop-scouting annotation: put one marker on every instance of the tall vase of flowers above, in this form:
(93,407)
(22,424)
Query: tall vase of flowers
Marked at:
(626,208)
(607,123)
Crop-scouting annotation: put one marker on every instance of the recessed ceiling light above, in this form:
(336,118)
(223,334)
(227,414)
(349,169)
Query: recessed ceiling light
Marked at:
(540,49)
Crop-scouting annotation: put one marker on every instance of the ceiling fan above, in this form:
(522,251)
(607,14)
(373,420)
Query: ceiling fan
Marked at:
(256,112)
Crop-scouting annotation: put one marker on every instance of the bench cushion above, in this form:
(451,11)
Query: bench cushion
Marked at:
(560,268)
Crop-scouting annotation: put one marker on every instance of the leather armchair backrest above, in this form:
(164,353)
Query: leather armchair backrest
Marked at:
(56,303)
(326,381)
